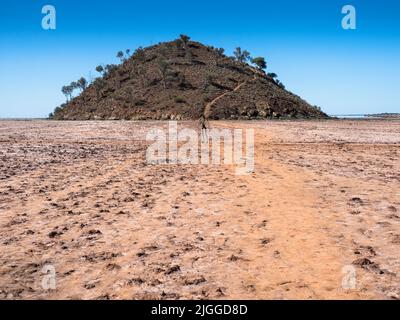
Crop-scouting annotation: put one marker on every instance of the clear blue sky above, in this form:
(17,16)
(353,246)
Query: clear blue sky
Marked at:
(343,71)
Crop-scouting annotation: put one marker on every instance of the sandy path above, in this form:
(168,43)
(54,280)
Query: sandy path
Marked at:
(207,108)
(289,253)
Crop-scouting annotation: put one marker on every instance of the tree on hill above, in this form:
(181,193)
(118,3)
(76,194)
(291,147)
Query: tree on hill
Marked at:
(64,90)
(259,62)
(99,84)
(274,76)
(180,49)
(57,109)
(120,55)
(100,69)
(81,83)
(219,51)
(167,74)
(185,40)
(280,84)
(163,68)
(139,54)
(67,91)
(241,56)
(219,54)
(110,68)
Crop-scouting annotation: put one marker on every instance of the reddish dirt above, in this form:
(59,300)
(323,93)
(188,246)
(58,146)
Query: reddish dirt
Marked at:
(80,196)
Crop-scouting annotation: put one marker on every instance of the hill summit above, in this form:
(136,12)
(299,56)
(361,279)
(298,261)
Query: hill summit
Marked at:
(182,80)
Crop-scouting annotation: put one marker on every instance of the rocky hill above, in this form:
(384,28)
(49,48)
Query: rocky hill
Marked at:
(183,79)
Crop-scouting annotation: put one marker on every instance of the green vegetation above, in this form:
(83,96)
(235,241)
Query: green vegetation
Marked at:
(219,51)
(241,56)
(259,62)
(123,56)
(185,40)
(110,68)
(82,83)
(100,69)
(274,77)
(120,55)
(139,54)
(184,44)
(67,91)
(280,84)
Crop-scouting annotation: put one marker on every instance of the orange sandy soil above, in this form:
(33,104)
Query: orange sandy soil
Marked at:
(80,196)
